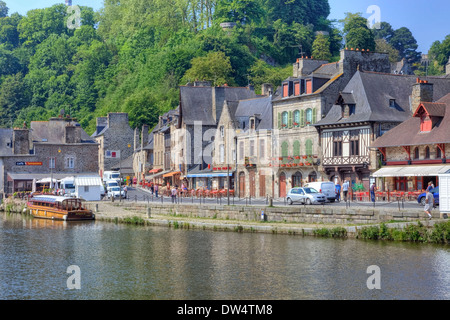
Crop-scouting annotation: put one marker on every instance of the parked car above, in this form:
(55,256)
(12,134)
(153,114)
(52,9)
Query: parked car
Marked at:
(305,196)
(115,192)
(423,196)
(327,188)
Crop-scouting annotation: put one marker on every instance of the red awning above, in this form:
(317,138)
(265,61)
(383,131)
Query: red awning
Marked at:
(155,171)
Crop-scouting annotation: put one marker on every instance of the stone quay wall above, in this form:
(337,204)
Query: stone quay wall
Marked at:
(298,214)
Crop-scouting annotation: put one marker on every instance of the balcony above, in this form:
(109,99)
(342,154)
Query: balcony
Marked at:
(296,161)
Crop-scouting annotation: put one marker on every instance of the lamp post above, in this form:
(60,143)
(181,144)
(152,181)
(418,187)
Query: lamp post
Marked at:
(52,164)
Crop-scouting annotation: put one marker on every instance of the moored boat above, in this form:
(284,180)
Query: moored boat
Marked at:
(58,208)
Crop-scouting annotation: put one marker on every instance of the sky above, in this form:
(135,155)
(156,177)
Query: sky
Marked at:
(427,20)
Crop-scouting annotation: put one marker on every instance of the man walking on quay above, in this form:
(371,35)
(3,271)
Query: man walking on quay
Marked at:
(429,204)
(345,187)
(174,194)
(373,188)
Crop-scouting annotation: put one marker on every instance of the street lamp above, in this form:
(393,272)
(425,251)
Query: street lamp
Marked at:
(52,164)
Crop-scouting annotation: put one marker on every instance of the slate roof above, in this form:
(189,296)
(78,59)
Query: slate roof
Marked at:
(408,133)
(53,132)
(371,93)
(262,107)
(5,141)
(196,103)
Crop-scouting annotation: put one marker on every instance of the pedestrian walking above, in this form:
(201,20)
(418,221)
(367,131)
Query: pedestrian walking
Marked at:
(125,190)
(373,188)
(345,187)
(338,192)
(174,194)
(156,188)
(429,204)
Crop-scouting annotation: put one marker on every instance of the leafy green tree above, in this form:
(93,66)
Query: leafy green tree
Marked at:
(406,44)
(357,34)
(299,11)
(215,67)
(261,73)
(14,96)
(243,11)
(385,32)
(440,51)
(321,48)
(383,46)
(3,9)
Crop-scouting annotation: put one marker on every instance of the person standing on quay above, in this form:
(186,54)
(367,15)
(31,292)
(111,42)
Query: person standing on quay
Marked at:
(373,188)
(156,188)
(429,204)
(174,194)
(345,187)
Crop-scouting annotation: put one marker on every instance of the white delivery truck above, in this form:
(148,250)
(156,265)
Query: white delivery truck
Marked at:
(111,175)
(444,194)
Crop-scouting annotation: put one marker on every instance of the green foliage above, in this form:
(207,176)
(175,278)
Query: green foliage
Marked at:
(215,66)
(357,33)
(321,48)
(439,233)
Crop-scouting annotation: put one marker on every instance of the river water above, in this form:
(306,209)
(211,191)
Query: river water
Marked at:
(128,262)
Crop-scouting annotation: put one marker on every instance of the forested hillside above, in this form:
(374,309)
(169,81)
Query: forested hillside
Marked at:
(133,54)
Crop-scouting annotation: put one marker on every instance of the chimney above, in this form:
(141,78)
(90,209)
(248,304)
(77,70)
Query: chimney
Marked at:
(21,141)
(144,136)
(447,67)
(266,89)
(136,139)
(72,134)
(422,92)
(102,122)
(305,66)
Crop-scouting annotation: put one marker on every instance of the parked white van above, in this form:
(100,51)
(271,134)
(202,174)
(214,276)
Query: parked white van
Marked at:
(111,183)
(111,175)
(327,188)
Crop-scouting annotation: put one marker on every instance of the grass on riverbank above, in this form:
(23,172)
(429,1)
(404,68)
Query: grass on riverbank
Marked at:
(439,233)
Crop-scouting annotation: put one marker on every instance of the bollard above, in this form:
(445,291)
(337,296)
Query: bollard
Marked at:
(270,202)
(96,207)
(263,216)
(149,212)
(112,199)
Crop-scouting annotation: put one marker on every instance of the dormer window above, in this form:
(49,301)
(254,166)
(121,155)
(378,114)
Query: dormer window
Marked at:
(426,123)
(392,103)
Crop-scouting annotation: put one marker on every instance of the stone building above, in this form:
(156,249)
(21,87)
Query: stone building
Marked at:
(368,107)
(242,147)
(200,108)
(143,153)
(304,99)
(254,175)
(164,169)
(416,151)
(56,148)
(116,138)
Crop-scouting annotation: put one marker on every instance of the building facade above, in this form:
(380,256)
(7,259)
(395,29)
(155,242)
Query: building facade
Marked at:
(115,138)
(305,99)
(56,149)
(417,151)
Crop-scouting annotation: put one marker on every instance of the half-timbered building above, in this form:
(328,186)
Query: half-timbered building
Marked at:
(369,106)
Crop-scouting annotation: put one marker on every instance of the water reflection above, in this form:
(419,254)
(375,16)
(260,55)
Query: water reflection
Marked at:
(124,262)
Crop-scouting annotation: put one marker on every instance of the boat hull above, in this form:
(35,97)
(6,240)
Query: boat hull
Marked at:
(49,213)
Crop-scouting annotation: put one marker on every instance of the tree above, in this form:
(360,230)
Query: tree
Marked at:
(3,9)
(385,32)
(243,11)
(321,48)
(215,66)
(261,73)
(357,34)
(406,44)
(440,51)
(383,46)
(14,96)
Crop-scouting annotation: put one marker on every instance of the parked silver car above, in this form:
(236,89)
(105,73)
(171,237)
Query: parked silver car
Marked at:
(305,196)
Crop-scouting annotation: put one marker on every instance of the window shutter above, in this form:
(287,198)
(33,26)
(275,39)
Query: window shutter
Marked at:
(314,116)
(290,119)
(279,120)
(302,118)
